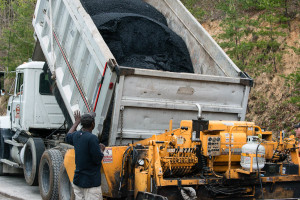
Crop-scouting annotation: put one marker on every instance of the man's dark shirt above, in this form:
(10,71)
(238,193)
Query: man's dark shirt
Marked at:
(88,159)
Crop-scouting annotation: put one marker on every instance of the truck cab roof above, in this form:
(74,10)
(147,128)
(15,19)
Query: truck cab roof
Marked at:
(31,65)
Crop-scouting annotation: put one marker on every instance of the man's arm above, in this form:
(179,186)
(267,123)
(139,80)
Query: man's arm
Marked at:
(76,123)
(69,138)
(96,150)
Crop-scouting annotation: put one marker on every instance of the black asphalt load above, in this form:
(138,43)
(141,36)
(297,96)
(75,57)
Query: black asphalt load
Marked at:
(138,36)
(94,7)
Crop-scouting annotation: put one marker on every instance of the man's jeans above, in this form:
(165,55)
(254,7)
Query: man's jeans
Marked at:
(94,193)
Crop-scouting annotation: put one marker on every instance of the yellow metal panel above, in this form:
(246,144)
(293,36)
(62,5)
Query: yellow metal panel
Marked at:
(186,123)
(269,149)
(69,163)
(225,126)
(224,167)
(238,139)
(110,171)
(140,183)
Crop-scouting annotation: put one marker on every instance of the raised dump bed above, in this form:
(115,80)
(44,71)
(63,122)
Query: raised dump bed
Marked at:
(143,100)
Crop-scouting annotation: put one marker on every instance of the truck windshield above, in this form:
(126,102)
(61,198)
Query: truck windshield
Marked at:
(45,86)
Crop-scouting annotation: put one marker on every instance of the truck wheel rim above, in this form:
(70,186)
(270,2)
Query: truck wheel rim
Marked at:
(28,161)
(65,186)
(46,178)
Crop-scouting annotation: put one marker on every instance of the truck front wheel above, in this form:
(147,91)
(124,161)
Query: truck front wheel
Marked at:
(34,150)
(48,174)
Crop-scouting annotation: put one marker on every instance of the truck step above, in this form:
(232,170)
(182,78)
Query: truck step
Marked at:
(10,163)
(14,143)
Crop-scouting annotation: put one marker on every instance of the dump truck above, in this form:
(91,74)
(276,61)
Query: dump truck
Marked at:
(74,69)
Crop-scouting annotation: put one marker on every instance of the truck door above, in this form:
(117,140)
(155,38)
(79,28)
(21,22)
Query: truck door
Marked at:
(17,101)
(47,111)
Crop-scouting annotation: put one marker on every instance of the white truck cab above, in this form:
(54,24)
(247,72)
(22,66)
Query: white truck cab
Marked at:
(34,120)
(33,105)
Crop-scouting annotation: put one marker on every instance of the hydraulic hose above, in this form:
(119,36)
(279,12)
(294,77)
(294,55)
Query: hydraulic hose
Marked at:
(64,124)
(122,170)
(261,187)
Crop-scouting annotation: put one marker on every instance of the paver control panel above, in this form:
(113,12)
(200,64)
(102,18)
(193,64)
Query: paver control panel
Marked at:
(211,145)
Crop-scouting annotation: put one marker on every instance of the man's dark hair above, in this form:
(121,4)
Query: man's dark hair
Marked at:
(87,120)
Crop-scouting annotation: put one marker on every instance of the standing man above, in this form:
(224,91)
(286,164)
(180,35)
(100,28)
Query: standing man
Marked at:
(88,157)
(297,130)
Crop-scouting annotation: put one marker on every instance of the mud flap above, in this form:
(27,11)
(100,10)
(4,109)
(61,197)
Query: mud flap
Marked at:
(150,196)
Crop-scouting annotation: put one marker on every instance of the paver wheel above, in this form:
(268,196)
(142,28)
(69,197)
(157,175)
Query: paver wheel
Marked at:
(34,150)
(48,174)
(65,189)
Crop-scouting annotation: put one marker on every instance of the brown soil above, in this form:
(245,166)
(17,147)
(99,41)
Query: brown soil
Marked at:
(268,102)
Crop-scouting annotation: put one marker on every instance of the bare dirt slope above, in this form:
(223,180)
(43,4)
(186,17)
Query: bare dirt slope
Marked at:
(269,104)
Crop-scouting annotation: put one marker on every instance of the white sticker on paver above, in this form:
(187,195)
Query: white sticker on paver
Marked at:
(108,155)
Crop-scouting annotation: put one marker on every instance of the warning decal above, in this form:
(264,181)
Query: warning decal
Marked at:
(17,111)
(107,155)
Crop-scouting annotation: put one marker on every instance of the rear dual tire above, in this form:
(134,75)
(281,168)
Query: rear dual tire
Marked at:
(49,169)
(65,188)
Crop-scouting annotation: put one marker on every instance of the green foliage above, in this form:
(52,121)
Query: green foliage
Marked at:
(253,44)
(16,40)
(253,5)
(275,23)
(196,11)
(236,26)
(259,46)
(293,82)
(295,49)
